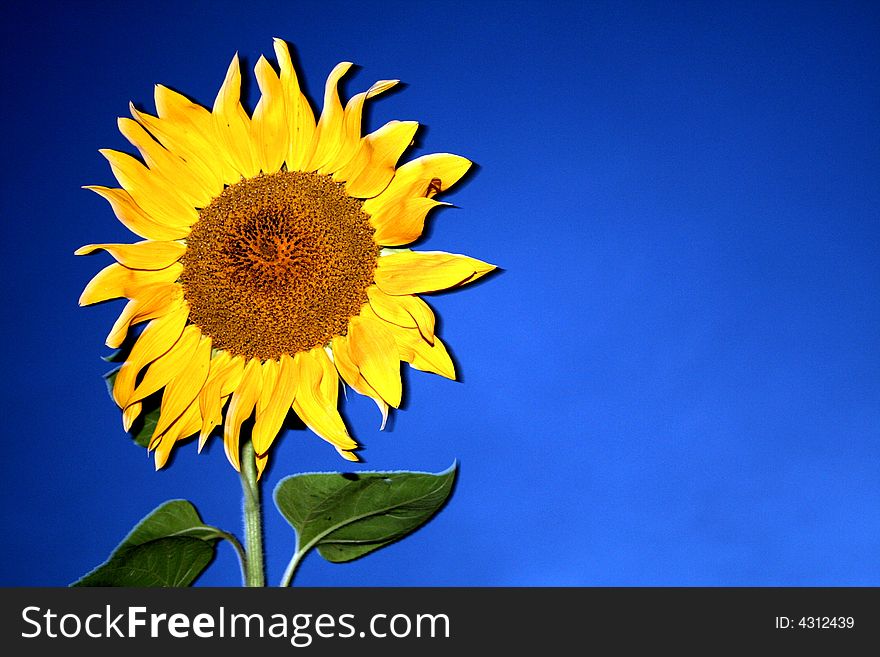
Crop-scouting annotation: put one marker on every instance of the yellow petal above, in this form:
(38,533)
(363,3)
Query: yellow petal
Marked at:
(327,139)
(269,376)
(211,392)
(300,117)
(349,372)
(386,307)
(187,129)
(240,408)
(372,167)
(186,425)
(168,365)
(176,177)
(148,303)
(374,352)
(415,350)
(404,310)
(312,406)
(161,449)
(329,379)
(351,125)
(189,421)
(269,125)
(275,401)
(230,381)
(135,219)
(115,281)
(140,255)
(157,338)
(261,461)
(425,176)
(402,222)
(184,388)
(130,414)
(233,125)
(411,272)
(223,378)
(148,191)
(421,355)
(348,456)
(430,357)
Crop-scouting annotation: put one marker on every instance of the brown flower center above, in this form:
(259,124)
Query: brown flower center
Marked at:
(278,264)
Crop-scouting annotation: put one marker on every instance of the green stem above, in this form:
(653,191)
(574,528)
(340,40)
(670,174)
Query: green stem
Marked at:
(239,550)
(253,530)
(292,566)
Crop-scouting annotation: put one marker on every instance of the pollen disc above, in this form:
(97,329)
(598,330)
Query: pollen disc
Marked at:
(278,264)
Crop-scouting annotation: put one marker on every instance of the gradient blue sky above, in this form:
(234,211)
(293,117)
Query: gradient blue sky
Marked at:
(676,379)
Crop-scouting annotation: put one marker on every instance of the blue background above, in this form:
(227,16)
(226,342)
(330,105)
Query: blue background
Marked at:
(675,380)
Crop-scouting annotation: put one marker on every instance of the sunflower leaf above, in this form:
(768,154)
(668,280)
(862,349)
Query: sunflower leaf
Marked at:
(117,356)
(169,547)
(110,380)
(142,431)
(347,516)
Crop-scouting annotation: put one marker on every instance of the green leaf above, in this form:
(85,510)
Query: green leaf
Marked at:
(171,519)
(165,562)
(118,355)
(346,516)
(110,380)
(170,547)
(142,430)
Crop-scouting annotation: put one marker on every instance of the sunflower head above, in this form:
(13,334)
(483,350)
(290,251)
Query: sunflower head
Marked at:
(265,275)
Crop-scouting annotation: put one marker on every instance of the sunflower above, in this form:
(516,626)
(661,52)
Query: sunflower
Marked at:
(268,269)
